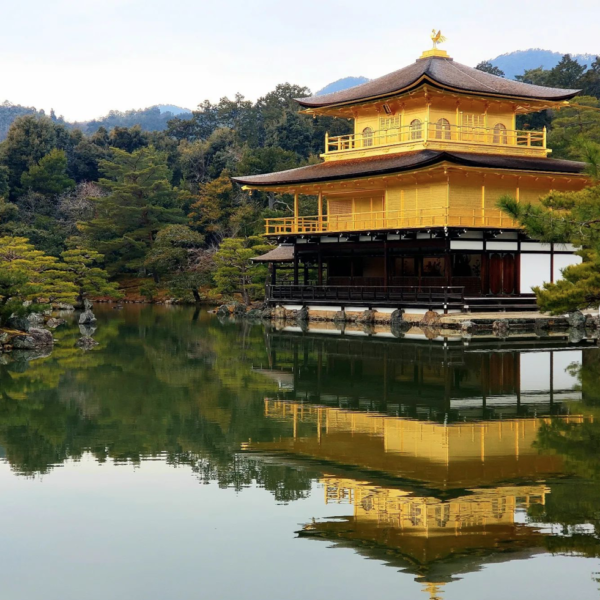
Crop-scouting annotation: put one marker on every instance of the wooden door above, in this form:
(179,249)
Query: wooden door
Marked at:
(502,269)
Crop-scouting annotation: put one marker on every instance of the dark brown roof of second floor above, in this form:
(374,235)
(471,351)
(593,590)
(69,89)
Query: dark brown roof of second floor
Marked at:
(408,161)
(442,72)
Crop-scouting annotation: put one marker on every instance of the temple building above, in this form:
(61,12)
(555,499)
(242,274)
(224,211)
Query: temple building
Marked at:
(407,212)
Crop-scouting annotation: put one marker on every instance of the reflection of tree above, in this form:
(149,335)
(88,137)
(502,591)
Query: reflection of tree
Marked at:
(161,382)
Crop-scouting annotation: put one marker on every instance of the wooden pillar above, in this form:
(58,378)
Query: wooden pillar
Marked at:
(305,273)
(273,273)
(295,265)
(320,211)
(296,212)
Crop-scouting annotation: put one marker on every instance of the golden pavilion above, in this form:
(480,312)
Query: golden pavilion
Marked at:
(407,212)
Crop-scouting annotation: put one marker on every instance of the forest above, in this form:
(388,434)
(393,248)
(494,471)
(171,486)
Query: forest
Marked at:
(120,203)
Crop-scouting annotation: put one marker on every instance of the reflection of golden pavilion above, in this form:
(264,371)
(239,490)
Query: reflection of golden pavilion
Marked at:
(421,532)
(455,455)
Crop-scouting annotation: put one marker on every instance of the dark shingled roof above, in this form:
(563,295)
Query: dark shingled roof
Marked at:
(283,253)
(397,163)
(442,72)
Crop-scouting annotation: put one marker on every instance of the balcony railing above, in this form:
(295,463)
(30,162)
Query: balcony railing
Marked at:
(433,296)
(440,134)
(393,219)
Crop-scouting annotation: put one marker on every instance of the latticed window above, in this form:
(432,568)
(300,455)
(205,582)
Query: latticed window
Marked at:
(442,129)
(367,136)
(416,129)
(386,123)
(473,120)
(500,134)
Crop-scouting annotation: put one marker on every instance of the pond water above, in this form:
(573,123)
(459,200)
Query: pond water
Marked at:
(185,457)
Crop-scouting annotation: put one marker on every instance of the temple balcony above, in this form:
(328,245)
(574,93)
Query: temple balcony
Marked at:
(434,136)
(391,220)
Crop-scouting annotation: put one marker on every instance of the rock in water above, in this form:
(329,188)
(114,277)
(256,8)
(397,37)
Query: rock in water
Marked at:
(86,342)
(576,319)
(19,323)
(41,337)
(23,342)
(35,319)
(430,318)
(53,323)
(87,317)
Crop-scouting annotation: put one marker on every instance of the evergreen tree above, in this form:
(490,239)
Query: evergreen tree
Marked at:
(27,274)
(487,67)
(140,201)
(88,277)
(49,176)
(234,271)
(567,217)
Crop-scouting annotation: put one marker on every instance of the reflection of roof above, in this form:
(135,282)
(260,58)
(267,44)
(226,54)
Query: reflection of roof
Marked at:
(440,72)
(283,253)
(381,165)
(283,379)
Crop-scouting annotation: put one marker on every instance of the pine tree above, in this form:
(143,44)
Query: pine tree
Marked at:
(140,202)
(27,274)
(567,217)
(90,279)
(235,273)
(49,176)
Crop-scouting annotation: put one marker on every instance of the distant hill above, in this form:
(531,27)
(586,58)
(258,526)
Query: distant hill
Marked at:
(341,84)
(175,110)
(153,118)
(516,63)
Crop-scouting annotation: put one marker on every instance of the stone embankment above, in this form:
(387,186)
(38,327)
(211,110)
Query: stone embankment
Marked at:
(31,335)
(500,324)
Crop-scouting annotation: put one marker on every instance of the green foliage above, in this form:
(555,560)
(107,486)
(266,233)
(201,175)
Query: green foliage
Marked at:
(29,139)
(571,217)
(28,275)
(235,273)
(90,279)
(49,176)
(487,67)
(574,126)
(140,201)
(169,253)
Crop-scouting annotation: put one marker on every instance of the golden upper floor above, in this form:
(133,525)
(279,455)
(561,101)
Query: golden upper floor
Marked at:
(436,104)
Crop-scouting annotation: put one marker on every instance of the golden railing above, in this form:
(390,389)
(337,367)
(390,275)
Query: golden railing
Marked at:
(393,219)
(435,132)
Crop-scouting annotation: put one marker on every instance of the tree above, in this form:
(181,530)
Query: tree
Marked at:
(169,253)
(90,279)
(140,201)
(235,273)
(566,74)
(215,204)
(567,217)
(487,67)
(572,125)
(49,176)
(29,139)
(590,81)
(27,274)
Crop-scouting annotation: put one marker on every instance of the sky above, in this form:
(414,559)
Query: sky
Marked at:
(86,57)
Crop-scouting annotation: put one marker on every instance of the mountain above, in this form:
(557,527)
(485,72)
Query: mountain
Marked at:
(174,110)
(341,84)
(515,63)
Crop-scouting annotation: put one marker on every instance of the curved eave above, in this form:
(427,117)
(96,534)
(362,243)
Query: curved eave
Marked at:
(426,79)
(330,172)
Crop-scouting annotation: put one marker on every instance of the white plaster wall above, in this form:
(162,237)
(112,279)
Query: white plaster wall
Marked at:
(535,270)
(564,260)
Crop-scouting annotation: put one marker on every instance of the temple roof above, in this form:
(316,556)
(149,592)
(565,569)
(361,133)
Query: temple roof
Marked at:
(440,72)
(283,253)
(397,163)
